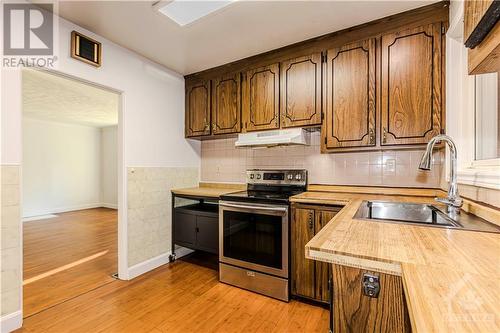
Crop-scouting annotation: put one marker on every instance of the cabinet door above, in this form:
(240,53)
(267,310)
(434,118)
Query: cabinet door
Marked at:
(185,229)
(197,108)
(226,105)
(355,312)
(302,269)
(350,96)
(323,270)
(301,91)
(261,98)
(411,85)
(207,234)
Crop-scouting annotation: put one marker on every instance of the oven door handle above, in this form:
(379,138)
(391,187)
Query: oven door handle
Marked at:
(270,209)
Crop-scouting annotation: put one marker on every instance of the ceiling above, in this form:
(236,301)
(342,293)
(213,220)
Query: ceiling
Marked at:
(242,29)
(55,98)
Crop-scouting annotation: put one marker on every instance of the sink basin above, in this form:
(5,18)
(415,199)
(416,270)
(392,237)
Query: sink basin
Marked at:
(422,214)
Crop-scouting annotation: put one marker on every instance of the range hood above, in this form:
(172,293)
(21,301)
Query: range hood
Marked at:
(282,137)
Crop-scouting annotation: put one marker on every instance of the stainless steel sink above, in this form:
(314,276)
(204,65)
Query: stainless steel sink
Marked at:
(422,214)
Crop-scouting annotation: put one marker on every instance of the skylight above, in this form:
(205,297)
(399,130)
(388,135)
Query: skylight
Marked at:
(184,12)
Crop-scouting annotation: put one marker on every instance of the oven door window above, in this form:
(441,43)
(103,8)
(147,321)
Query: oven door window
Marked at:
(254,238)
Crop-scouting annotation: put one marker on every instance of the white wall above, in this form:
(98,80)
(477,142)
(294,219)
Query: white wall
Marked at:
(109,167)
(61,167)
(68,167)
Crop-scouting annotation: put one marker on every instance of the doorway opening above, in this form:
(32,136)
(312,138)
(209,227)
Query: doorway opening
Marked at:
(70,190)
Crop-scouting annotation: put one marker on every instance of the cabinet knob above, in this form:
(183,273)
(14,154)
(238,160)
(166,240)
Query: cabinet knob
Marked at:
(384,135)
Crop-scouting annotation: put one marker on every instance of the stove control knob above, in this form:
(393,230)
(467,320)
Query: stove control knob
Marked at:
(258,176)
(290,176)
(251,176)
(298,176)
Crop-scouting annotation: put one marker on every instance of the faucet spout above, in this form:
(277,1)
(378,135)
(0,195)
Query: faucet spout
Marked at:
(453,200)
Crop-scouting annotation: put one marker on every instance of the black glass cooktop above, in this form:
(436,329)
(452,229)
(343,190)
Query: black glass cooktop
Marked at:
(260,196)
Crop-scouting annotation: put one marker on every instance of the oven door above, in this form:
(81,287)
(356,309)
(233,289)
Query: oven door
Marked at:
(254,236)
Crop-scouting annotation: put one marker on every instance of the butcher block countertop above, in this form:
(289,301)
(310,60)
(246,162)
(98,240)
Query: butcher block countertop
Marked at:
(449,276)
(209,190)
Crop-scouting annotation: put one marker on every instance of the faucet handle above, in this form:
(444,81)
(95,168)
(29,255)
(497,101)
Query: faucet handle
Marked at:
(453,202)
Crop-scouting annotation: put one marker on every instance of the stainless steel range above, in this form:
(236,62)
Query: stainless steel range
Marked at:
(254,232)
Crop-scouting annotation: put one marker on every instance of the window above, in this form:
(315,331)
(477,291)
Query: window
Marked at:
(487,119)
(472,116)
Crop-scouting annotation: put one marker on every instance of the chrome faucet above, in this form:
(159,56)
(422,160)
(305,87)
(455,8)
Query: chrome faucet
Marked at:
(453,201)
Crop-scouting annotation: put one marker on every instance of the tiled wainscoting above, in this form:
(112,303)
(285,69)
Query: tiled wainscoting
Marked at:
(149,208)
(10,263)
(222,162)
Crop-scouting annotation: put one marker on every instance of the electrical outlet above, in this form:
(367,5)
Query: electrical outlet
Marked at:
(390,165)
(371,285)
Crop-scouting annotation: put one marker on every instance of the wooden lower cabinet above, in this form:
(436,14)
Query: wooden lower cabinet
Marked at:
(353,311)
(303,272)
(309,278)
(323,270)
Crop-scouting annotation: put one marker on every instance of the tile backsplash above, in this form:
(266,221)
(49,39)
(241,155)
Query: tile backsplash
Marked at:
(222,162)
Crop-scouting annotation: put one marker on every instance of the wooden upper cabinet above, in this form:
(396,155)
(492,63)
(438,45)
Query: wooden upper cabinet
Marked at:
(482,35)
(261,98)
(411,85)
(350,96)
(197,108)
(226,104)
(474,11)
(301,91)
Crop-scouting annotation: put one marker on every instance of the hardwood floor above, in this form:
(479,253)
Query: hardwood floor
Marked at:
(68,256)
(177,297)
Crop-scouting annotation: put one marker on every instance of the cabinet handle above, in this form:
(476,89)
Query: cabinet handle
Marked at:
(310,221)
(384,135)
(371,136)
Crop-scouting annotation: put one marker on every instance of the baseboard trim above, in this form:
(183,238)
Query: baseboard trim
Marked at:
(72,209)
(11,322)
(109,205)
(150,264)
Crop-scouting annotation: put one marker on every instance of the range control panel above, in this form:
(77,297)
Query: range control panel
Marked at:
(277,177)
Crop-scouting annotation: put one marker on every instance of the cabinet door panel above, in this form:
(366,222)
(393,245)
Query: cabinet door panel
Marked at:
(185,229)
(197,108)
(323,270)
(301,91)
(355,312)
(207,234)
(350,95)
(302,273)
(226,106)
(261,98)
(411,85)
